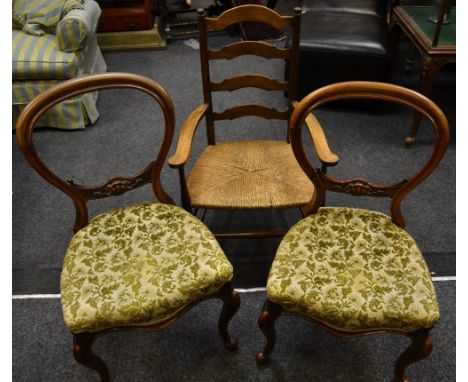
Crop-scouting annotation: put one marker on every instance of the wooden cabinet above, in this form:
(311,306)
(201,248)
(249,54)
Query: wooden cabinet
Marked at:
(125,15)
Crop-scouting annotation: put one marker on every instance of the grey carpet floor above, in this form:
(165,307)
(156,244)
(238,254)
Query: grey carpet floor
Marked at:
(191,350)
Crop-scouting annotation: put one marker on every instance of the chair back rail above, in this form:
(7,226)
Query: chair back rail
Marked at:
(251,110)
(249,80)
(377,91)
(248,13)
(242,48)
(240,14)
(117,185)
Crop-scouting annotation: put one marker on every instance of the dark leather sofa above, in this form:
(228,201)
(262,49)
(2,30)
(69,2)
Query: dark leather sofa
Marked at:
(342,40)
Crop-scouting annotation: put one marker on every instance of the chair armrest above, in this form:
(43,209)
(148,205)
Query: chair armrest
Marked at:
(76,26)
(317,134)
(187,133)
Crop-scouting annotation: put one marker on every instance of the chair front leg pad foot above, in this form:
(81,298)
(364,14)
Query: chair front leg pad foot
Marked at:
(231,344)
(409,141)
(261,358)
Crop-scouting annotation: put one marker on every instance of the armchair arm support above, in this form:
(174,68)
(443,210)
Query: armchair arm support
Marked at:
(187,133)
(317,134)
(77,25)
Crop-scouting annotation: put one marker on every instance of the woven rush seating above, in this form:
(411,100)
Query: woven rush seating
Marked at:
(249,175)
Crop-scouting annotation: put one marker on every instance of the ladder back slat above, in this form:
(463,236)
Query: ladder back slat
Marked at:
(256,48)
(251,110)
(249,80)
(246,13)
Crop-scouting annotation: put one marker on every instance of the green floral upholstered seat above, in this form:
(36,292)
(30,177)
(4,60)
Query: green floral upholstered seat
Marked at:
(139,265)
(353,270)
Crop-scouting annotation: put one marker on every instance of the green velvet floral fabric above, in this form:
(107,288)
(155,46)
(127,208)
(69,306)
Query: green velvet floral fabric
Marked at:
(353,270)
(139,265)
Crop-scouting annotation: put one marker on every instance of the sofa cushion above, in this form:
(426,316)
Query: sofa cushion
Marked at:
(353,270)
(39,58)
(343,33)
(367,7)
(339,46)
(139,265)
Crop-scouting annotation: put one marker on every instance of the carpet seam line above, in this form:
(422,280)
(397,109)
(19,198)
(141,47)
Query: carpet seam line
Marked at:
(239,290)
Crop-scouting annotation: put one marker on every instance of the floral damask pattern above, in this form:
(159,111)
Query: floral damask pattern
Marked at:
(139,265)
(353,270)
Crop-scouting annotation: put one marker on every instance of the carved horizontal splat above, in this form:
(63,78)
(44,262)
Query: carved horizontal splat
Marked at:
(256,48)
(251,109)
(360,187)
(115,186)
(246,13)
(249,80)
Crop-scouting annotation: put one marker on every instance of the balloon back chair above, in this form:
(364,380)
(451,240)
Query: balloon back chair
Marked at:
(356,271)
(246,174)
(139,267)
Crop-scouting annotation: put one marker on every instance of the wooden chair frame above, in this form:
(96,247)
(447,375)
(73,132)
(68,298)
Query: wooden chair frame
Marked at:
(79,194)
(421,344)
(245,13)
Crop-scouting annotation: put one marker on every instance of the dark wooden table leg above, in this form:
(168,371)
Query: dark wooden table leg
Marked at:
(430,67)
(410,59)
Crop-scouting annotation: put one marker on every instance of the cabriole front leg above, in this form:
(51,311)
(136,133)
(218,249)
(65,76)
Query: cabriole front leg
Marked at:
(84,355)
(231,302)
(420,348)
(266,322)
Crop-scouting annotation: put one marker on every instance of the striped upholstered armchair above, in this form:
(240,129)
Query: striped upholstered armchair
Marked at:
(53,41)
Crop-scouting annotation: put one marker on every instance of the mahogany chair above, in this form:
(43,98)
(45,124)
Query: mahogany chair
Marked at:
(246,174)
(354,271)
(140,267)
